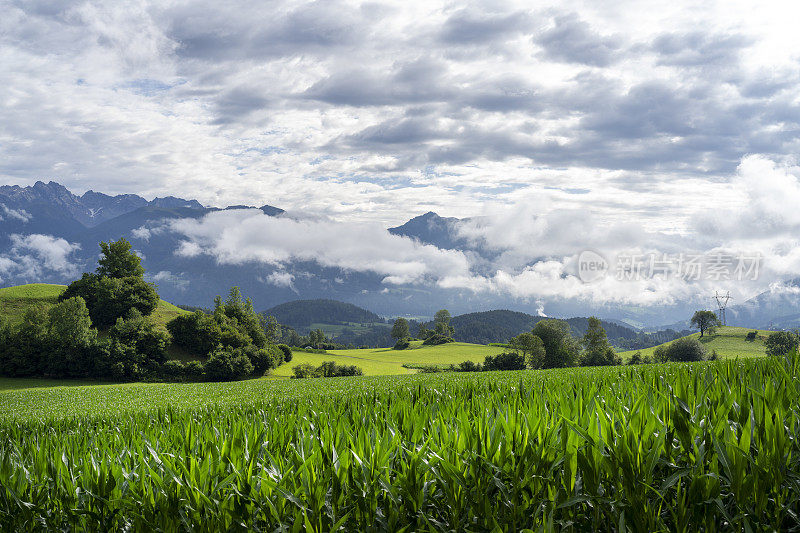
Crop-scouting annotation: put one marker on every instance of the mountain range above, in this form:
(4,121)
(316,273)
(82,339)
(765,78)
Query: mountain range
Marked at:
(48,234)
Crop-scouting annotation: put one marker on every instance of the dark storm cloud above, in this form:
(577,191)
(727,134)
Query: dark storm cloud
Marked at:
(573,40)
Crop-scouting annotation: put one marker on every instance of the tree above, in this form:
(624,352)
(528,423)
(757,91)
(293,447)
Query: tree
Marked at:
(111,298)
(423,332)
(143,336)
(400,329)
(69,323)
(119,260)
(597,351)
(705,321)
(504,361)
(561,349)
(441,321)
(530,347)
(316,337)
(272,329)
(780,343)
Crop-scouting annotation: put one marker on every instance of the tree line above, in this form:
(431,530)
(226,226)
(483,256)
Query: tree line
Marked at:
(101,328)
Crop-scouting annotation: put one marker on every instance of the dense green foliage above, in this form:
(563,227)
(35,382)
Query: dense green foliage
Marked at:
(233,338)
(596,349)
(328,369)
(707,446)
(705,321)
(116,287)
(436,339)
(561,349)
(119,261)
(400,329)
(684,349)
(111,298)
(781,343)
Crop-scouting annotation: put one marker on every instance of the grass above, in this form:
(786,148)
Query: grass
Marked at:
(386,361)
(672,447)
(728,341)
(14,301)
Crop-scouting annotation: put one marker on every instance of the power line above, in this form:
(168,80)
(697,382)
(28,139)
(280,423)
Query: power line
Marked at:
(722,303)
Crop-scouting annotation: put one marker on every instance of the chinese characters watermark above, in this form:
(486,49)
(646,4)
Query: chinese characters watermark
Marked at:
(716,266)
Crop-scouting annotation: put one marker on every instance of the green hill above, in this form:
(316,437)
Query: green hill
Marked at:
(303,314)
(728,341)
(386,361)
(14,301)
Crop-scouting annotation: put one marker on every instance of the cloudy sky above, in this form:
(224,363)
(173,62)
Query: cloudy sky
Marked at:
(570,125)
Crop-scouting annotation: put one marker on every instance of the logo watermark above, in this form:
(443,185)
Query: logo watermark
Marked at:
(591,266)
(715,266)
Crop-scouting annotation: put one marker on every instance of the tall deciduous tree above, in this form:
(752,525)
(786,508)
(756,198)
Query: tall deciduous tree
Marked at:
(560,348)
(596,349)
(441,322)
(530,347)
(400,329)
(119,260)
(705,321)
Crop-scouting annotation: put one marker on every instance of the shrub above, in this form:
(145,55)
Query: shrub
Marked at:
(193,370)
(287,352)
(751,336)
(198,333)
(173,370)
(685,349)
(304,370)
(402,344)
(636,359)
(223,365)
(141,335)
(437,339)
(780,343)
(504,361)
(328,369)
(469,366)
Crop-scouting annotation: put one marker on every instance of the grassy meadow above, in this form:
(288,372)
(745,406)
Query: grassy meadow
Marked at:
(386,361)
(728,341)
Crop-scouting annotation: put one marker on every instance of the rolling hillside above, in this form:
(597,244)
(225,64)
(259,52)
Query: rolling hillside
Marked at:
(386,361)
(302,314)
(14,301)
(728,341)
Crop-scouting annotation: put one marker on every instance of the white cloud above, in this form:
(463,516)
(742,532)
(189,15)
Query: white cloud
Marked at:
(241,236)
(18,214)
(31,257)
(281,279)
(167,277)
(367,112)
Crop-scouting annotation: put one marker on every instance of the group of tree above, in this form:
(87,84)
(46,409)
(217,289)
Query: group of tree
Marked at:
(550,344)
(235,340)
(328,369)
(441,333)
(64,341)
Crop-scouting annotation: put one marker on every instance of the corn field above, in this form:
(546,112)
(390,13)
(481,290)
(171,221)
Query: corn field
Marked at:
(676,447)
